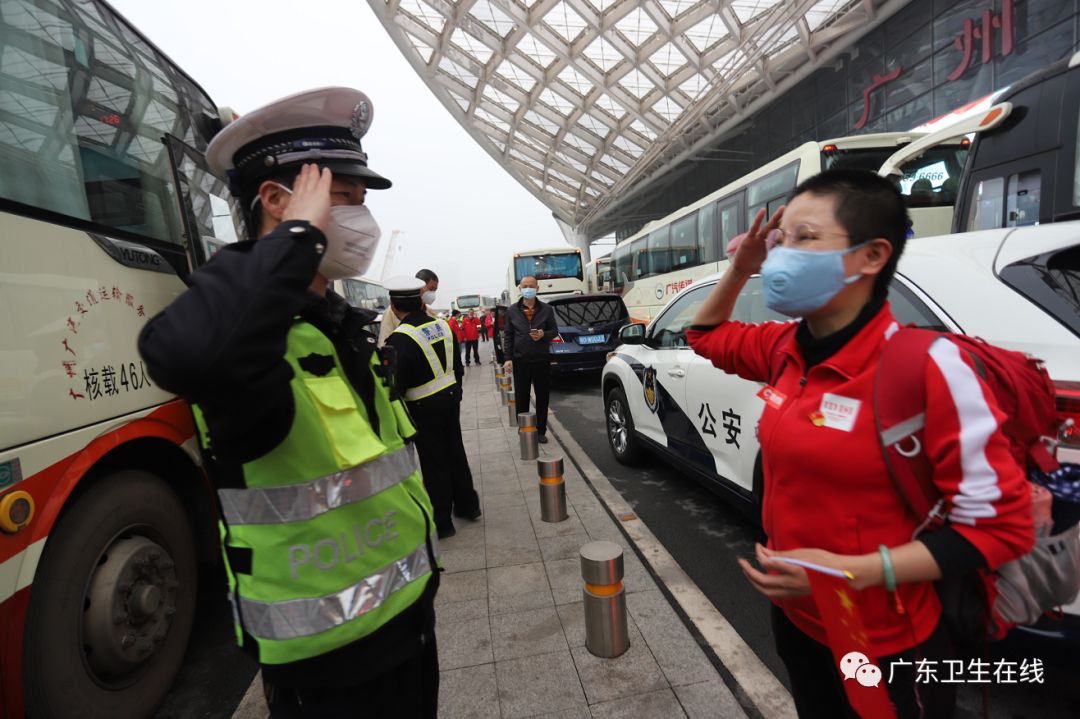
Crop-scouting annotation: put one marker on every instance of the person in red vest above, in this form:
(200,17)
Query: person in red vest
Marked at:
(489,326)
(481,325)
(471,327)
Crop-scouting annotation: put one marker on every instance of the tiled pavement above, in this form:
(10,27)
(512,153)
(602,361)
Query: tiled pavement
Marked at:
(510,622)
(510,619)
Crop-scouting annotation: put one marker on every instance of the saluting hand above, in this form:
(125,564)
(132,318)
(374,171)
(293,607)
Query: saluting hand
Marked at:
(310,197)
(753,247)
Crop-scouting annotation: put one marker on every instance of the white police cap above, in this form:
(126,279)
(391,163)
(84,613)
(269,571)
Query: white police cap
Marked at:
(322,126)
(403,286)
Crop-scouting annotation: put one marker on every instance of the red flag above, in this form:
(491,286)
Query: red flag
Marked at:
(864,681)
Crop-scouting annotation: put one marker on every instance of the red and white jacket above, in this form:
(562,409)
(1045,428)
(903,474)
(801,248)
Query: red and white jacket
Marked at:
(826,484)
(471,327)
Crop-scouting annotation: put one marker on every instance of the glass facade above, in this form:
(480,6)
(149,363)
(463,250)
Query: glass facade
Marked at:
(931,57)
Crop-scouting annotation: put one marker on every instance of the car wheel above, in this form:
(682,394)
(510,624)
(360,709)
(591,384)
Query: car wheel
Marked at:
(620,430)
(112,603)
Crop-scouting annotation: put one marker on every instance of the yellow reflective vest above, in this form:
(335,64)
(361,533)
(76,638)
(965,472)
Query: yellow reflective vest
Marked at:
(335,520)
(426,336)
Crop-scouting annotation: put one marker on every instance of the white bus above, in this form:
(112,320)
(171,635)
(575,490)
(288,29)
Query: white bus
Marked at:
(670,254)
(464,303)
(557,271)
(364,293)
(106,206)
(598,274)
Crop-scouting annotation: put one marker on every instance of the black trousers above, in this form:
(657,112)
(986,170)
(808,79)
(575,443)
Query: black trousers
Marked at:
(484,334)
(817,685)
(530,374)
(409,690)
(443,461)
(472,346)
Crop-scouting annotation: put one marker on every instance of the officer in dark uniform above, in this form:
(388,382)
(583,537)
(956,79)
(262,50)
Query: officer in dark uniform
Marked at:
(325,524)
(430,380)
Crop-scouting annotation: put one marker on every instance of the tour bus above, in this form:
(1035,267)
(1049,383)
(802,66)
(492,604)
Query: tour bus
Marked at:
(106,206)
(598,272)
(1025,170)
(670,254)
(1024,155)
(464,303)
(557,271)
(364,293)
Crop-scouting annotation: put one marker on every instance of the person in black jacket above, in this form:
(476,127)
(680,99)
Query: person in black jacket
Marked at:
(224,345)
(530,327)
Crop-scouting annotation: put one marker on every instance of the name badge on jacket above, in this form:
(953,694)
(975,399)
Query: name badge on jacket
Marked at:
(838,412)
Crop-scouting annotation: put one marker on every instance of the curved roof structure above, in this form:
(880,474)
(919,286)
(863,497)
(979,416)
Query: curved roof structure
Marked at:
(582,100)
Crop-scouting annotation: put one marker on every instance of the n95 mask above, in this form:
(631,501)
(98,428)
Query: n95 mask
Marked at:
(351,240)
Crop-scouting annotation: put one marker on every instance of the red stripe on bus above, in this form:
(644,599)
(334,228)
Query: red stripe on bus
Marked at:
(51,486)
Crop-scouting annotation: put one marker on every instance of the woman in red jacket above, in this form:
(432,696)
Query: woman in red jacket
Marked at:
(828,497)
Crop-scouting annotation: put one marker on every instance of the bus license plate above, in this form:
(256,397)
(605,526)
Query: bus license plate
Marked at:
(591,340)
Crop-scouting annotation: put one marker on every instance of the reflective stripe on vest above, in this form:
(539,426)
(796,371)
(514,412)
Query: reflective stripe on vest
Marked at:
(307,500)
(333,502)
(295,618)
(426,336)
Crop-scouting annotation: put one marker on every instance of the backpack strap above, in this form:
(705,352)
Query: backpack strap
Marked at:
(900,417)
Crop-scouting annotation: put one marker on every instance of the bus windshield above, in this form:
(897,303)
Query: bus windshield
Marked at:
(468,302)
(366,295)
(548,267)
(933,179)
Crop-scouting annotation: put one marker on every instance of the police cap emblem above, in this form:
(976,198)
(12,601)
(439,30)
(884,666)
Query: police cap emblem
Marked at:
(361,119)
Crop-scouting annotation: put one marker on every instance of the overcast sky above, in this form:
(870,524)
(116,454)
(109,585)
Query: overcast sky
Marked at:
(460,213)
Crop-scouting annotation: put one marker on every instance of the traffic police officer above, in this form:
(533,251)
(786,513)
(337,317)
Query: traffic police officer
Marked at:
(325,523)
(430,380)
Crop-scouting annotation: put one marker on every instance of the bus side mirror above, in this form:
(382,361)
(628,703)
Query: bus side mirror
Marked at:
(632,334)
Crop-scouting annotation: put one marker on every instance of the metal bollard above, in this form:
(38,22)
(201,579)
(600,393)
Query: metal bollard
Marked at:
(503,395)
(527,438)
(605,599)
(511,408)
(552,489)
(498,379)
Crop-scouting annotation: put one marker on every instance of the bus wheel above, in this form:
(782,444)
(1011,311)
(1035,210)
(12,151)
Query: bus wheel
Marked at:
(112,602)
(620,430)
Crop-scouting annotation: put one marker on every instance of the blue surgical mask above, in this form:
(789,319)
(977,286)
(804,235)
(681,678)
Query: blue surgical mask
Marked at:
(528,292)
(798,282)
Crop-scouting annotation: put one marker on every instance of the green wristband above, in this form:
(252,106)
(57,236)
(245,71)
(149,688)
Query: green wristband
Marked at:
(887,567)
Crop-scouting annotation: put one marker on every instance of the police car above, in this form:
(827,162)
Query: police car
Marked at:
(1017,287)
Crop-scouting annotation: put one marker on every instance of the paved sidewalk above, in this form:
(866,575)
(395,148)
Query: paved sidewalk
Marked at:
(510,619)
(510,622)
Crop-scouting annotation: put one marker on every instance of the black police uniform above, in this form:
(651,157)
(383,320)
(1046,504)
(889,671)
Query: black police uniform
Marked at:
(222,345)
(443,460)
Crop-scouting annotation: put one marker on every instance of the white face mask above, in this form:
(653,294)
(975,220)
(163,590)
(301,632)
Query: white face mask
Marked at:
(428,298)
(351,239)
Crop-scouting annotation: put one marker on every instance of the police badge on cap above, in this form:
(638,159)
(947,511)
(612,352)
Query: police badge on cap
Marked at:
(323,126)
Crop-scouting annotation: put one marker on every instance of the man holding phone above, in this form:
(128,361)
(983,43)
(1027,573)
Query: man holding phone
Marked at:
(530,327)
